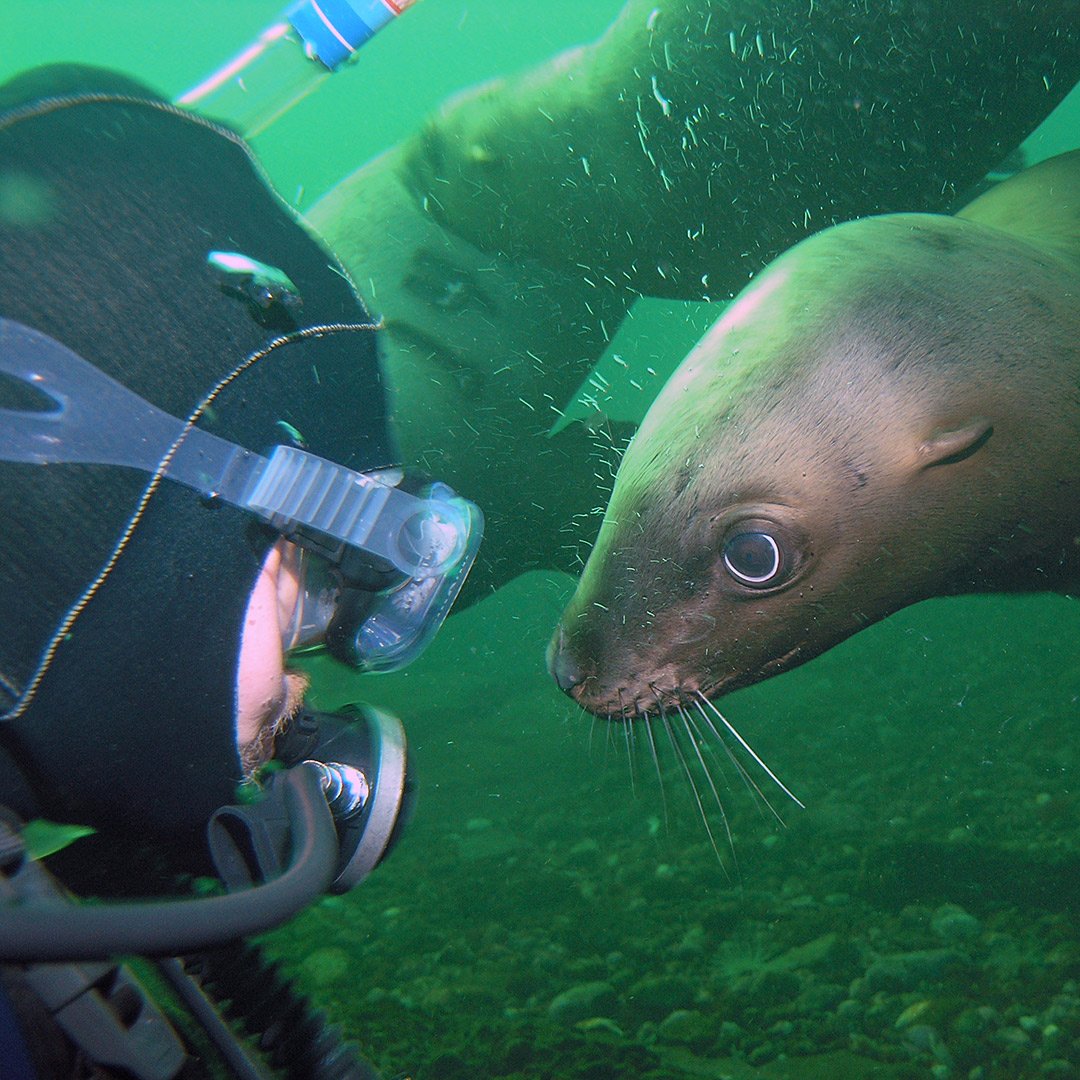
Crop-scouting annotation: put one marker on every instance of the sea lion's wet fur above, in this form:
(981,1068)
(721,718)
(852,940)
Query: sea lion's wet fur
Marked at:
(896,399)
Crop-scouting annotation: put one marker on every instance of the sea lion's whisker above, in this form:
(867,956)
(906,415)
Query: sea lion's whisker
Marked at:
(694,737)
(693,787)
(747,779)
(628,733)
(609,738)
(748,748)
(648,722)
(711,745)
(622,718)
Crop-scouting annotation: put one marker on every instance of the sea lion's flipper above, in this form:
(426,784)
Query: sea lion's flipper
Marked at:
(1041,204)
(956,444)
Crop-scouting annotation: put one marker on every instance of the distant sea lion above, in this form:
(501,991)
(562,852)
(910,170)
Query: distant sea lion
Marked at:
(890,412)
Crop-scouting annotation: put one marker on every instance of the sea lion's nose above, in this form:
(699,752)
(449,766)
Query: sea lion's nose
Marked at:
(564,668)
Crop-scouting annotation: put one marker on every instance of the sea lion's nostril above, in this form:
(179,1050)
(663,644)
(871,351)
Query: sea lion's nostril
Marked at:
(564,668)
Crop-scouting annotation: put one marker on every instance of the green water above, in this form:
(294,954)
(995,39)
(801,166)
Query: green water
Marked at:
(555,909)
(406,71)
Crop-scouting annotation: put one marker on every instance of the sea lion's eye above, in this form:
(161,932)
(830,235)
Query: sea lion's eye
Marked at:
(753,558)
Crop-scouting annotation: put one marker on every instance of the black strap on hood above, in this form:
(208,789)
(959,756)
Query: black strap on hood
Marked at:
(109,205)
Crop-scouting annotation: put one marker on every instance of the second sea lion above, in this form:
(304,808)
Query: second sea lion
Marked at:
(890,412)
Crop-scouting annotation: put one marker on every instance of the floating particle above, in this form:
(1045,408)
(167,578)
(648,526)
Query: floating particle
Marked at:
(665,105)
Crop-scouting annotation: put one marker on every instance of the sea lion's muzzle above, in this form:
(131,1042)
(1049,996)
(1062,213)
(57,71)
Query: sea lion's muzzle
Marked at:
(598,688)
(564,667)
(620,683)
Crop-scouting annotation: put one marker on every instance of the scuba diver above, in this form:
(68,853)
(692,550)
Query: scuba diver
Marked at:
(198,476)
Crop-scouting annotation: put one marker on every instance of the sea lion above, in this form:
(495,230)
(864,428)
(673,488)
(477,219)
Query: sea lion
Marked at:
(505,240)
(889,412)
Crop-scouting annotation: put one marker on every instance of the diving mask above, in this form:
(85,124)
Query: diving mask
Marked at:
(391,562)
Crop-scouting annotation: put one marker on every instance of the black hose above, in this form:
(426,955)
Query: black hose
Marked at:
(50,929)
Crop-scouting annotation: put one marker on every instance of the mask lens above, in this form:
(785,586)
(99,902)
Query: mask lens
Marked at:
(385,630)
(365,610)
(316,599)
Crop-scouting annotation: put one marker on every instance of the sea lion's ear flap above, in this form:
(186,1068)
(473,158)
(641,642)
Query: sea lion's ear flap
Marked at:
(947,447)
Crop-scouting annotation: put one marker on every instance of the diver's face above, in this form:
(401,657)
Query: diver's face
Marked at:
(266,694)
